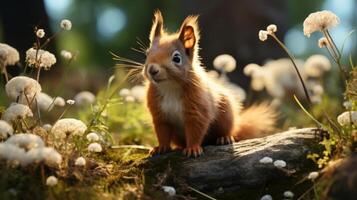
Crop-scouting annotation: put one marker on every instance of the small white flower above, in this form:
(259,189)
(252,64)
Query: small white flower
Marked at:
(213,74)
(272,28)
(26,141)
(68,126)
(320,21)
(313,175)
(70,101)
(44,101)
(92,137)
(317,65)
(344,119)
(169,190)
(12,153)
(40,33)
(225,63)
(138,92)
(66,55)
(124,92)
(279,163)
(80,161)
(51,181)
(266,197)
(20,87)
(66,24)
(95,147)
(288,194)
(48,155)
(322,42)
(84,98)
(44,58)
(347,104)
(5,129)
(16,112)
(266,160)
(59,101)
(130,99)
(263,35)
(8,55)
(47,127)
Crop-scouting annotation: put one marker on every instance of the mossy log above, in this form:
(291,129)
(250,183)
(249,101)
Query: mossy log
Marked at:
(235,166)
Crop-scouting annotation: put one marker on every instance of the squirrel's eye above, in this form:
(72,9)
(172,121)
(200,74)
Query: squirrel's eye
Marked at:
(176,58)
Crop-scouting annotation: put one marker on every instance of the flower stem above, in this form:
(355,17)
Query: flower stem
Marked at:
(5,74)
(292,58)
(38,74)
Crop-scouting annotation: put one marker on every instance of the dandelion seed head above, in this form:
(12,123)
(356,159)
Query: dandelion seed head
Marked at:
(51,181)
(47,127)
(44,58)
(279,163)
(288,194)
(68,127)
(70,101)
(95,147)
(16,112)
(66,24)
(225,62)
(347,104)
(138,92)
(26,141)
(169,190)
(129,99)
(48,155)
(313,175)
(317,65)
(345,118)
(44,101)
(320,21)
(8,55)
(5,130)
(266,160)
(322,42)
(20,87)
(272,28)
(80,161)
(66,55)
(124,92)
(84,98)
(92,137)
(12,153)
(40,33)
(263,35)
(59,101)
(266,197)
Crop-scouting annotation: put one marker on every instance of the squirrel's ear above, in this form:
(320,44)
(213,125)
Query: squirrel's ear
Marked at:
(189,34)
(157,27)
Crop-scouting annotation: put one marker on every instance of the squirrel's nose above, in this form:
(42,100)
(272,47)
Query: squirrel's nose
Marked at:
(153,70)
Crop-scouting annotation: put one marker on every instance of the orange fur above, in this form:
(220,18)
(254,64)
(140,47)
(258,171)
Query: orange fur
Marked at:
(187,107)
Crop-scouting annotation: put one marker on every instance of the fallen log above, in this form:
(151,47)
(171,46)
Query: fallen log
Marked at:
(236,166)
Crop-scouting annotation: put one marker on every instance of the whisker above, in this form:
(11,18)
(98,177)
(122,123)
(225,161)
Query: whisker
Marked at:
(124,65)
(141,43)
(140,50)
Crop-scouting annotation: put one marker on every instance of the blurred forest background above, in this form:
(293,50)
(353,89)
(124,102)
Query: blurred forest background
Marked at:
(227,26)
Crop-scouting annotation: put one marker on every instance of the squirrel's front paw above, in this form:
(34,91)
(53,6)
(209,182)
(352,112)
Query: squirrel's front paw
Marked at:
(225,140)
(194,151)
(159,150)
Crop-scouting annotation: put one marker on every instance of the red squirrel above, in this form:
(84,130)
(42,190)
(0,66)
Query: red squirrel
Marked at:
(188,108)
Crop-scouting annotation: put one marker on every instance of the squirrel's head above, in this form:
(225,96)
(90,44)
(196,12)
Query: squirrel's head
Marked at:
(171,57)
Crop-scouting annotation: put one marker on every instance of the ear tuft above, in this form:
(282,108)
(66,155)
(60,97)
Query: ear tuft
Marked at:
(189,34)
(157,27)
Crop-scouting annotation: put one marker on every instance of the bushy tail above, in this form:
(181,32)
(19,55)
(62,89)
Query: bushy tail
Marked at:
(256,121)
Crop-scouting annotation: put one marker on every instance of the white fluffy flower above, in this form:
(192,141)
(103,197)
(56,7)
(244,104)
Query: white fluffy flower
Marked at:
(84,98)
(347,104)
(288,194)
(95,147)
(44,101)
(8,55)
(124,92)
(26,141)
(51,181)
(66,55)
(322,42)
(92,137)
(44,58)
(48,155)
(313,175)
(80,161)
(266,160)
(263,35)
(130,99)
(20,87)
(346,117)
(47,127)
(5,129)
(317,65)
(59,101)
(16,111)
(66,24)
(68,126)
(40,33)
(169,190)
(279,163)
(225,62)
(138,92)
(266,197)
(320,21)
(70,101)
(272,28)
(12,153)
